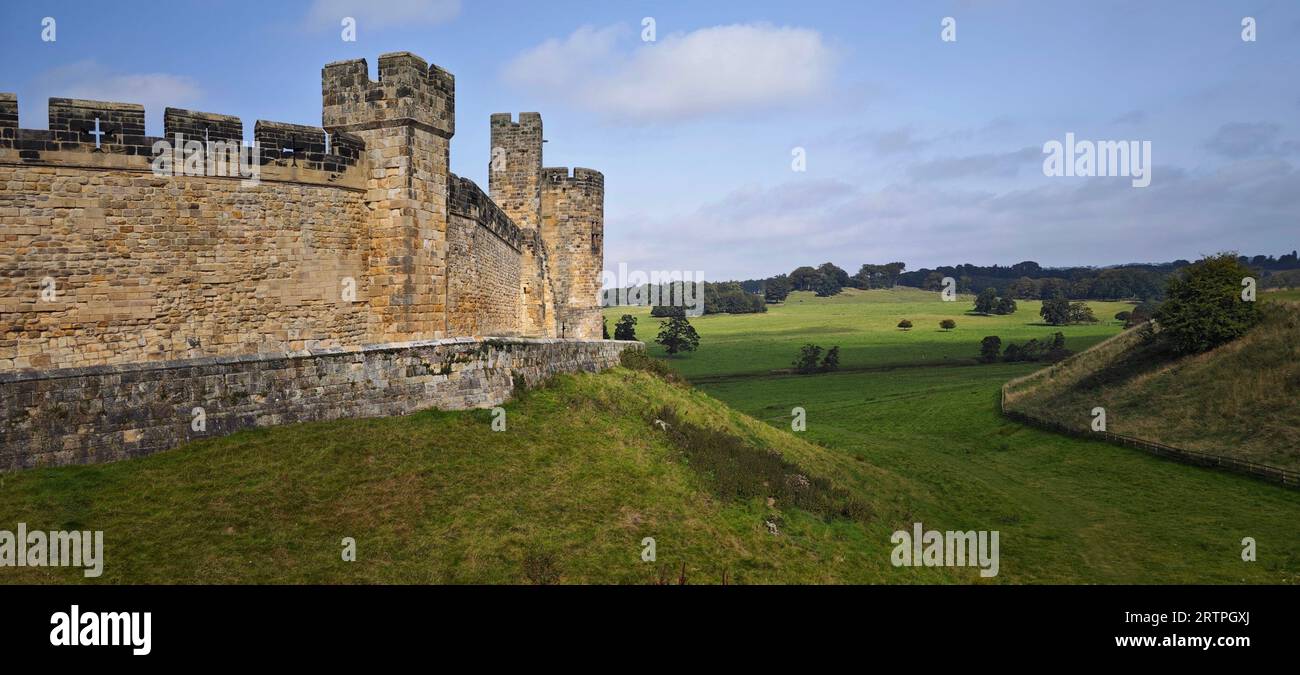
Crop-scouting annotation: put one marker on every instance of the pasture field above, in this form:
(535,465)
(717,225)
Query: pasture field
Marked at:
(1069,510)
(864,325)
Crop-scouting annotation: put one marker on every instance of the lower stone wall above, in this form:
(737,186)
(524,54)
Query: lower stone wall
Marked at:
(106,413)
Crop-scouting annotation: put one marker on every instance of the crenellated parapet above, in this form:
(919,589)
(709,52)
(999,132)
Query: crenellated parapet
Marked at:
(409,91)
(83,131)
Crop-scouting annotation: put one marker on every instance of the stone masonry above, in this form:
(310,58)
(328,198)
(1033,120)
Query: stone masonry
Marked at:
(355,235)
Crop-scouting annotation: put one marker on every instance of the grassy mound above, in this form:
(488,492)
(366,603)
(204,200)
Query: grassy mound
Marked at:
(1239,400)
(581,475)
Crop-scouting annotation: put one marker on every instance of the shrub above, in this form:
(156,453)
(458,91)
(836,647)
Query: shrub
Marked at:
(639,359)
(990,348)
(1203,307)
(905,324)
(947,324)
(1006,305)
(1123,316)
(625,329)
(832,360)
(808,359)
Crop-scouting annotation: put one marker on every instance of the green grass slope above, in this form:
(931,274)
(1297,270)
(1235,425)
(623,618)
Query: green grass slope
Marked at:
(565,494)
(1239,400)
(1069,510)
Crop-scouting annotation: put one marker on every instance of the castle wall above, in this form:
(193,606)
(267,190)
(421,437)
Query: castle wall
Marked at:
(107,413)
(484,291)
(130,294)
(573,225)
(143,267)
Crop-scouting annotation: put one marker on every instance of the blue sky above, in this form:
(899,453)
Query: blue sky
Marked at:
(917,149)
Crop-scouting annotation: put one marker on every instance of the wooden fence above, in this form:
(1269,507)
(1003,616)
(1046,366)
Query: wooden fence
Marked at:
(1273,474)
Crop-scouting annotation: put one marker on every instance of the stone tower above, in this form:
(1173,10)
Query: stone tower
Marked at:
(573,227)
(563,217)
(407,120)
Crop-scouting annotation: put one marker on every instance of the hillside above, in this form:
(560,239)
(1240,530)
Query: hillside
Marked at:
(1239,400)
(566,494)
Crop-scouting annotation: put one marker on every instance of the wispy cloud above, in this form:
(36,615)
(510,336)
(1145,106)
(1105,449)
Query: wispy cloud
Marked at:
(1237,140)
(92,80)
(679,76)
(758,231)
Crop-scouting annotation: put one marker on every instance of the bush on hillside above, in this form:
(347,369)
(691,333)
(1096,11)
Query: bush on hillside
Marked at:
(1203,307)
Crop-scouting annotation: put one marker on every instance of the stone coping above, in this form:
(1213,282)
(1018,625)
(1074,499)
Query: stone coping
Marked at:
(30,374)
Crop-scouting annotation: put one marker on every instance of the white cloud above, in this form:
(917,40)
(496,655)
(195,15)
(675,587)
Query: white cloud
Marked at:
(90,80)
(381,13)
(683,75)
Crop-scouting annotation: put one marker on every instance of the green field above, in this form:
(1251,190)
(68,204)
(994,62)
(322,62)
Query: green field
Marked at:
(1069,510)
(864,325)
(908,432)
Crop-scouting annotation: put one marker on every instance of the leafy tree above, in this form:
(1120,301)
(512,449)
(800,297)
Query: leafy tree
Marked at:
(986,301)
(1023,288)
(1051,289)
(947,324)
(1123,317)
(832,359)
(1081,313)
(808,359)
(835,274)
(990,347)
(678,335)
(1055,311)
(827,286)
(665,311)
(776,289)
(1006,305)
(625,328)
(803,278)
(905,324)
(1203,307)
(1143,313)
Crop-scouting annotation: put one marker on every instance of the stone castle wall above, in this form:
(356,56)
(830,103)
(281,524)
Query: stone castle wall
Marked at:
(108,413)
(127,292)
(355,233)
(137,267)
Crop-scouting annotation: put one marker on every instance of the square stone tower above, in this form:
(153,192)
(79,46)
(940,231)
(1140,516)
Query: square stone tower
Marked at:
(565,213)
(407,119)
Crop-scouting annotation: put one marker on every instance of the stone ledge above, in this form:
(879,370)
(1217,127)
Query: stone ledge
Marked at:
(28,374)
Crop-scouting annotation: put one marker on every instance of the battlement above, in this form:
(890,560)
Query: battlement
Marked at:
(577,176)
(302,145)
(75,124)
(527,120)
(409,91)
(465,198)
